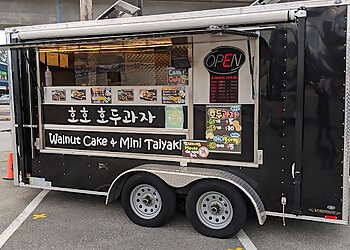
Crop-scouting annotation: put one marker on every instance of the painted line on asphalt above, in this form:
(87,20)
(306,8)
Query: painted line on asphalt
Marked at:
(5,235)
(246,242)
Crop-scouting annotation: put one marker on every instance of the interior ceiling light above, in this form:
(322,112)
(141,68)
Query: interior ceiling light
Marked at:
(139,44)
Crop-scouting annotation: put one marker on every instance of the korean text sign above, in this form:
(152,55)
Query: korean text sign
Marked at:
(109,115)
(224,129)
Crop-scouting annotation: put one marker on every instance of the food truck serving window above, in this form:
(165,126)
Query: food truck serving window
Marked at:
(92,71)
(111,97)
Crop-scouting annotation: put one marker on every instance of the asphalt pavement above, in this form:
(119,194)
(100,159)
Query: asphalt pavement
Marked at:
(12,199)
(77,221)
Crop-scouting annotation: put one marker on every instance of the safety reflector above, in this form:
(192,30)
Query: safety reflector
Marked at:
(332,217)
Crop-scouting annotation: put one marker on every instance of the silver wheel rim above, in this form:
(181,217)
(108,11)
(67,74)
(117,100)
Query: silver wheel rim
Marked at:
(214,210)
(145,201)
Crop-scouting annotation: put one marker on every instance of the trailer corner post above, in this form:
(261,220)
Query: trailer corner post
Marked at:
(301,15)
(18,112)
(346,159)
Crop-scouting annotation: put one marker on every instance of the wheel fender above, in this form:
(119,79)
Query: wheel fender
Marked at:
(178,177)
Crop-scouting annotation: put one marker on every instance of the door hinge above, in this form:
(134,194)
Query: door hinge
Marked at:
(284,203)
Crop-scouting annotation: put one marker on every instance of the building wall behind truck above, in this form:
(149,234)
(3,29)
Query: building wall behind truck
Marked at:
(24,12)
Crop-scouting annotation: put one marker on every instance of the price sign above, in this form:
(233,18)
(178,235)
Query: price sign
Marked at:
(224,129)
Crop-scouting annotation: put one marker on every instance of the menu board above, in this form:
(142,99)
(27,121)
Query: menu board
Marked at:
(223,64)
(101,95)
(173,95)
(52,59)
(224,129)
(64,60)
(42,57)
(224,89)
(194,149)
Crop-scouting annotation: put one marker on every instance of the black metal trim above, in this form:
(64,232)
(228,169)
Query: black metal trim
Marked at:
(140,5)
(299,119)
(17,100)
(251,69)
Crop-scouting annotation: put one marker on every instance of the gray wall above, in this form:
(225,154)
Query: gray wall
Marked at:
(30,12)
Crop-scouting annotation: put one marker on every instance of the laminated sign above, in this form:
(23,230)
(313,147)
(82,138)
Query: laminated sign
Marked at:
(194,149)
(174,95)
(177,76)
(224,129)
(174,117)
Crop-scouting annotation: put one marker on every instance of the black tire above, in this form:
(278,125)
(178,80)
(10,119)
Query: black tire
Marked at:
(166,193)
(238,204)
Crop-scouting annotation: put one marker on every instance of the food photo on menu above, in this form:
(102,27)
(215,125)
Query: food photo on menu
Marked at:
(78,94)
(148,95)
(125,95)
(58,95)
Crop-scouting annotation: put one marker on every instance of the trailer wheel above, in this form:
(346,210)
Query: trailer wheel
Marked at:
(147,200)
(216,209)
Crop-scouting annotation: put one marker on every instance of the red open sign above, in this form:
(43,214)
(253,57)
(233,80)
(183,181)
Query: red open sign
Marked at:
(224,60)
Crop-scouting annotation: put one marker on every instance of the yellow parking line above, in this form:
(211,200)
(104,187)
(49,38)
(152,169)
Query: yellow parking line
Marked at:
(39,216)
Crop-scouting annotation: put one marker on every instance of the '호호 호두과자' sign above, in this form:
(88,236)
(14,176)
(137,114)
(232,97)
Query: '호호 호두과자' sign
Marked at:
(115,142)
(223,64)
(108,115)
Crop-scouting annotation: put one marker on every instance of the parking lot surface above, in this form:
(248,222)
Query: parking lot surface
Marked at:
(75,221)
(12,199)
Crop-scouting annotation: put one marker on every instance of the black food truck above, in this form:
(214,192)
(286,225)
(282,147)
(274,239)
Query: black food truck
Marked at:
(230,108)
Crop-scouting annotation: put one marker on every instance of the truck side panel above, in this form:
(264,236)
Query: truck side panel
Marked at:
(322,173)
(322,191)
